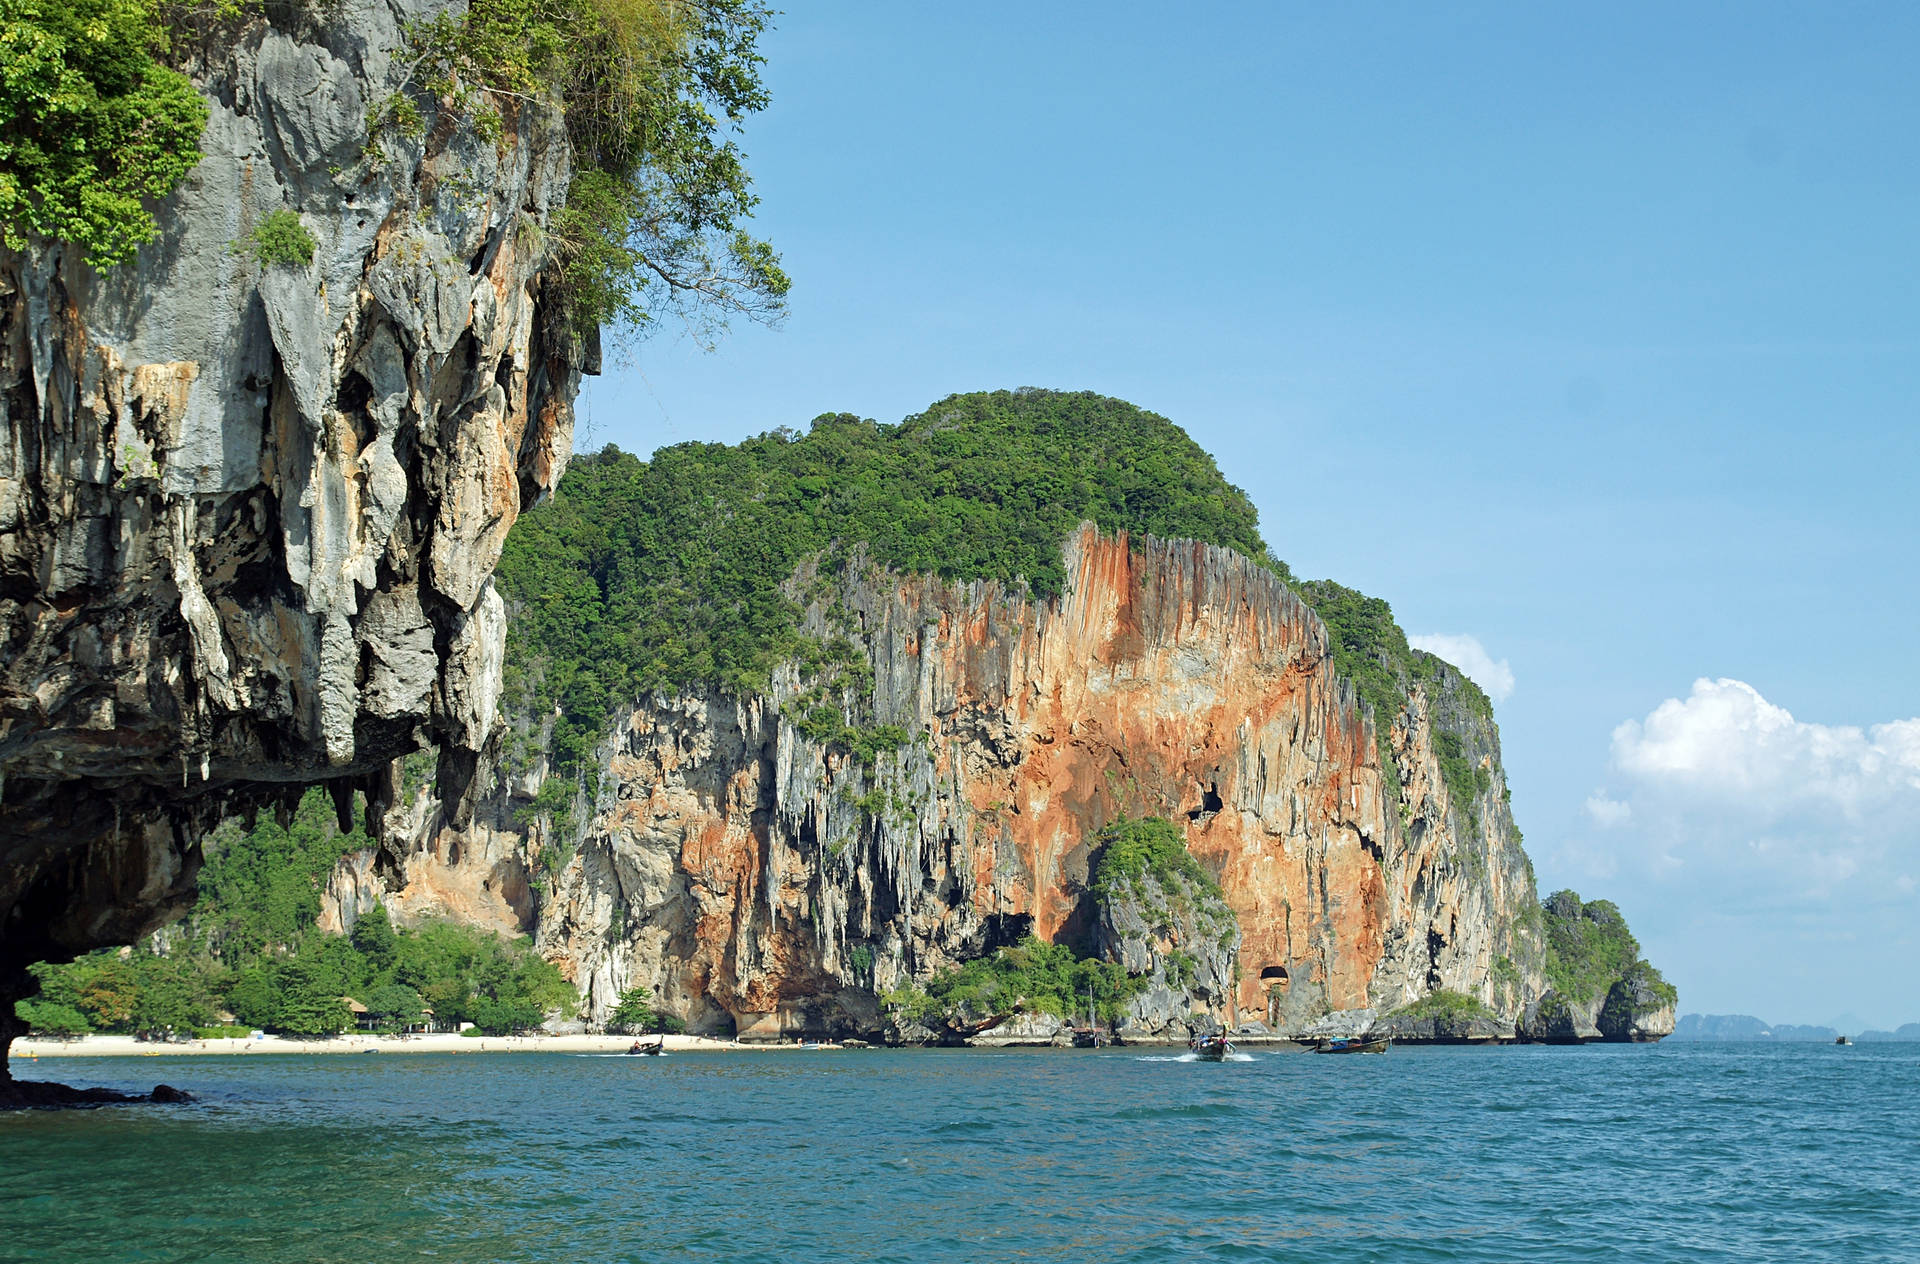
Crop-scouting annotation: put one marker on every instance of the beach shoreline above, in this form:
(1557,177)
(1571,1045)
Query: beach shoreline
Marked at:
(27,1049)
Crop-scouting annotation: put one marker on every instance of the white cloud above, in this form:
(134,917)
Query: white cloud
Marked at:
(1606,812)
(1728,792)
(1471,657)
(1727,745)
(1767,862)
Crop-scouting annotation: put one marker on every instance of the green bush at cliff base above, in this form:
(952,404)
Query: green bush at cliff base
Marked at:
(662,574)
(1446,1005)
(52,1019)
(649,89)
(90,124)
(1033,975)
(635,1016)
(252,947)
(1590,949)
(1628,995)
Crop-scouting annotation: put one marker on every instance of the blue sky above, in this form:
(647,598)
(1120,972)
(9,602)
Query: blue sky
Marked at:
(1591,337)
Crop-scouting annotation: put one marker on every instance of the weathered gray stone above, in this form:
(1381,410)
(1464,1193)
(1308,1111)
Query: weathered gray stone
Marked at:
(1023,1030)
(248,513)
(1560,1020)
(1444,1029)
(1635,1012)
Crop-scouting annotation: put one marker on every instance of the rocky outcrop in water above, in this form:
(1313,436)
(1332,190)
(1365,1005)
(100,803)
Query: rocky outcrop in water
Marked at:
(249,510)
(1600,987)
(1636,1010)
(780,884)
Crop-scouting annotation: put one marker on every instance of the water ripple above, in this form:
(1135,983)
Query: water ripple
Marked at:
(1662,1153)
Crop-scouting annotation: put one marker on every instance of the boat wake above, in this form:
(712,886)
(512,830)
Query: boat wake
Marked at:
(1192,1057)
(636,1056)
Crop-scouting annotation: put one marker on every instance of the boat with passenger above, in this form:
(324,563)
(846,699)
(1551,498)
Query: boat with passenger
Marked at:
(1212,1047)
(1357,1044)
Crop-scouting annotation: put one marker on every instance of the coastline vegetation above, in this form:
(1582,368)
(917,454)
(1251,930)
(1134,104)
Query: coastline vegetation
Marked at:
(1447,1005)
(251,949)
(1032,975)
(1143,860)
(635,1015)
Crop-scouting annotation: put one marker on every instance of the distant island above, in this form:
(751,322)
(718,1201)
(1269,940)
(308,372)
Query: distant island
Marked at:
(1731,1027)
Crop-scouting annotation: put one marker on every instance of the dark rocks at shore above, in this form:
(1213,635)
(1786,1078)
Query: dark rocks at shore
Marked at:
(1635,1010)
(44,1095)
(1446,1029)
(1556,1020)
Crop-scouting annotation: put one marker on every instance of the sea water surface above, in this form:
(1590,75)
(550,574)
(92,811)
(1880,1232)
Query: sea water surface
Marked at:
(1672,1152)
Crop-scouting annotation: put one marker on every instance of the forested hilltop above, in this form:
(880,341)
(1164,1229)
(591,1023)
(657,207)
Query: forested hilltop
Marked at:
(644,575)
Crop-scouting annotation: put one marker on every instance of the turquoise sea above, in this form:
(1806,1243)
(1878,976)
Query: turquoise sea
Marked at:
(1675,1152)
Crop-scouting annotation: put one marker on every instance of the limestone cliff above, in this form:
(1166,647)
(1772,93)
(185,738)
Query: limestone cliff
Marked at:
(249,511)
(772,881)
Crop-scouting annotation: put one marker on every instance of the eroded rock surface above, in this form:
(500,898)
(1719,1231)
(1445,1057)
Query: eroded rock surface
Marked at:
(764,880)
(1635,1012)
(249,511)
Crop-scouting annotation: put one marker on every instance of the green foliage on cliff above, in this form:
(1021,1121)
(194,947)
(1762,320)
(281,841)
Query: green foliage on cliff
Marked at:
(1466,780)
(281,238)
(1629,994)
(650,90)
(1370,650)
(1146,848)
(260,888)
(1590,949)
(647,575)
(1033,975)
(90,124)
(251,946)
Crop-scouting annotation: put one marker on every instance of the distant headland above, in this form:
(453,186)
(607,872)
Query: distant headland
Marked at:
(1746,1027)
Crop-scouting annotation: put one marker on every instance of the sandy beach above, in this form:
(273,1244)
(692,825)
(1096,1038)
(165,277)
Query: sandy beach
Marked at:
(360,1042)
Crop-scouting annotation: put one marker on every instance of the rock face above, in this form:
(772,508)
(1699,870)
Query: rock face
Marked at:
(1635,1011)
(1184,939)
(1557,1019)
(1443,1030)
(249,511)
(770,882)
